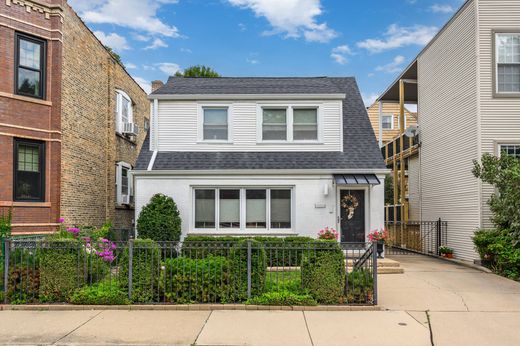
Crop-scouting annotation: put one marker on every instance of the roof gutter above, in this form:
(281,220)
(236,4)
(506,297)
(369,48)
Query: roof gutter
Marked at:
(231,172)
(337,96)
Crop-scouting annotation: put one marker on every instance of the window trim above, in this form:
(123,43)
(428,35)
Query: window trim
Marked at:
(243,230)
(42,153)
(200,123)
(505,143)
(392,127)
(120,94)
(494,66)
(43,64)
(289,106)
(119,179)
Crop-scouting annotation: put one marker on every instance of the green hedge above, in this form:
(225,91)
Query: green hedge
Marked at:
(23,285)
(281,252)
(499,248)
(61,270)
(323,274)
(103,293)
(285,298)
(186,280)
(238,262)
(160,219)
(146,265)
(360,288)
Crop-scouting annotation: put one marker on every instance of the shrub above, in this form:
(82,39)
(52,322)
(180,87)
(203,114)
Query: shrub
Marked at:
(159,220)
(23,285)
(323,273)
(360,289)
(483,239)
(238,262)
(187,280)
(103,293)
(60,269)
(146,264)
(285,298)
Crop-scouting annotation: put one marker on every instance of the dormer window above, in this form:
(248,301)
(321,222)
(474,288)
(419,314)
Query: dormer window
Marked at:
(124,114)
(289,123)
(215,123)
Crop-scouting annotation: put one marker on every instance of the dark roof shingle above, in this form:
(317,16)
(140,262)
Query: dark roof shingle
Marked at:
(360,149)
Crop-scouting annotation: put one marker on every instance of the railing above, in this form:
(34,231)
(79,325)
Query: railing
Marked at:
(145,272)
(392,149)
(425,237)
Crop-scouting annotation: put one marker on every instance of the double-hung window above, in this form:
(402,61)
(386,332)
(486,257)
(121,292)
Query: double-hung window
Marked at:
(510,149)
(29,168)
(235,208)
(289,124)
(30,66)
(124,186)
(507,57)
(215,124)
(124,110)
(387,121)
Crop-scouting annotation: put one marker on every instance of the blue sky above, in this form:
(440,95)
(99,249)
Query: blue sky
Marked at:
(372,40)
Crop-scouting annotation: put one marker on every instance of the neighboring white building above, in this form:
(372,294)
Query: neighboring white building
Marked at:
(264,156)
(466,83)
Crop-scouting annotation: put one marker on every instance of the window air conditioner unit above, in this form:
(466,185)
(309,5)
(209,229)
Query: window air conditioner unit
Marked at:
(130,129)
(125,199)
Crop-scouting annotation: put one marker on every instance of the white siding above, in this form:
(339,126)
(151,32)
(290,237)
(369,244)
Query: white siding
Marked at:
(447,73)
(308,190)
(178,126)
(500,117)
(414,189)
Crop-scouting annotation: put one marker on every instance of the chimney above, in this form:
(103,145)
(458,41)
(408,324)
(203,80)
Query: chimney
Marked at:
(156,84)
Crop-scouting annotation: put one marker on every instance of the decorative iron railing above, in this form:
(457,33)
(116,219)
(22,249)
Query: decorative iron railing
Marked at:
(424,237)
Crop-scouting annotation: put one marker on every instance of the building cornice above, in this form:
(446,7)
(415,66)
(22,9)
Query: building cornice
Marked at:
(47,10)
(254,97)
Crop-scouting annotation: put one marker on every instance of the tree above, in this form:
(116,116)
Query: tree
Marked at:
(198,71)
(504,174)
(389,189)
(159,220)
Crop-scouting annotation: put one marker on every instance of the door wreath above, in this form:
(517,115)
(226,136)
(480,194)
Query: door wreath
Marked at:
(349,203)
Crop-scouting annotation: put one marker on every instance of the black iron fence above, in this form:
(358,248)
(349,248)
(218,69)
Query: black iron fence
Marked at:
(146,272)
(424,237)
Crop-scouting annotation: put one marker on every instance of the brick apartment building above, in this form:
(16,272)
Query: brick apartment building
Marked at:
(72,121)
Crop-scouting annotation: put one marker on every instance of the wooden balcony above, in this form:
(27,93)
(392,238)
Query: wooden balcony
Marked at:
(392,150)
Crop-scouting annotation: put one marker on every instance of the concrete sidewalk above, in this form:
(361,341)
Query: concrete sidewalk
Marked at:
(116,327)
(434,300)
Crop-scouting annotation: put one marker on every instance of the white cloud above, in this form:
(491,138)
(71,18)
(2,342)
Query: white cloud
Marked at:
(185,50)
(146,85)
(252,61)
(168,68)
(139,15)
(439,8)
(369,99)
(293,18)
(130,66)
(397,36)
(157,43)
(339,54)
(113,40)
(242,27)
(394,66)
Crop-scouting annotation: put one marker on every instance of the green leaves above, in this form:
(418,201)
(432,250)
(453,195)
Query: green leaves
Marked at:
(198,71)
(160,220)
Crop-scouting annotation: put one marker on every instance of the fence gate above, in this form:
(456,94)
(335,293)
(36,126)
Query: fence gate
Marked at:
(416,237)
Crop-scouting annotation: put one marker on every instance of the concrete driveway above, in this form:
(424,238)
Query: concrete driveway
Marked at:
(464,306)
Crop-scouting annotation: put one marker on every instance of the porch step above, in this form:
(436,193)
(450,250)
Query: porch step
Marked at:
(384,266)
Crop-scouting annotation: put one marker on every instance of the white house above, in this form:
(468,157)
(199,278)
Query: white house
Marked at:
(264,156)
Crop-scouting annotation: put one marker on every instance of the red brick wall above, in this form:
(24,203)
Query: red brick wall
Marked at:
(25,117)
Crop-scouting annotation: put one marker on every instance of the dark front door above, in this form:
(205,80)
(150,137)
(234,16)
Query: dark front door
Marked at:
(352,213)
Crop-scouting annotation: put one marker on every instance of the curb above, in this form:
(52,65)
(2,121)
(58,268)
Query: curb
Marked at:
(194,307)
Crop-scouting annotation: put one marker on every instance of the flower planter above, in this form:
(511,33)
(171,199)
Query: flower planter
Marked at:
(447,255)
(380,248)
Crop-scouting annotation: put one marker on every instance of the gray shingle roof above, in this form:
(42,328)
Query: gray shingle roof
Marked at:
(250,85)
(360,146)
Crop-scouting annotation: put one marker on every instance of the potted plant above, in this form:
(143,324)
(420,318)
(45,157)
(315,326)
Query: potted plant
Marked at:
(379,237)
(445,251)
(328,233)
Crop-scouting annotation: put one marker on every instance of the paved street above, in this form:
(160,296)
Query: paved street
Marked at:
(464,306)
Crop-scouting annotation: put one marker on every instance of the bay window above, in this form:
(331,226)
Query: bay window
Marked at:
(243,208)
(507,58)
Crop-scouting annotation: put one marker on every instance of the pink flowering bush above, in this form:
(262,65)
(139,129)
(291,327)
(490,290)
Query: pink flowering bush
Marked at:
(103,248)
(328,234)
(378,235)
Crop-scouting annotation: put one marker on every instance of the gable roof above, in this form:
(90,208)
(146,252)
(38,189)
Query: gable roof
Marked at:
(251,85)
(359,142)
